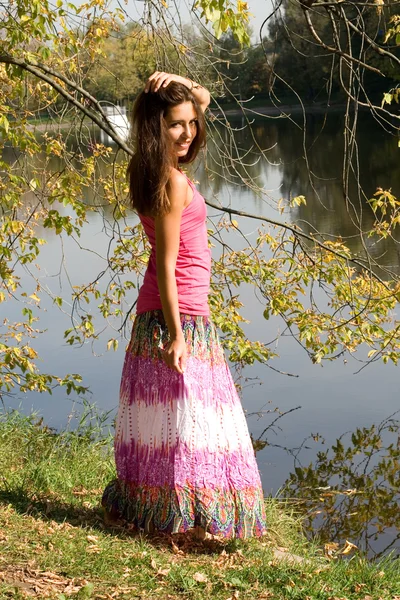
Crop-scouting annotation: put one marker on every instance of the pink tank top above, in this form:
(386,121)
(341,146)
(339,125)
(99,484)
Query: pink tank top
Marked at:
(193,263)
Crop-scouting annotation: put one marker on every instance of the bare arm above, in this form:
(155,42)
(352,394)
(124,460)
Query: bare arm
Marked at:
(167,247)
(159,78)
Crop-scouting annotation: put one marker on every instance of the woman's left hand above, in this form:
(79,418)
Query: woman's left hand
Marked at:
(162,79)
(175,355)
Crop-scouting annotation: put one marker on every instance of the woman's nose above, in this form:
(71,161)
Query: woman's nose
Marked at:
(187,132)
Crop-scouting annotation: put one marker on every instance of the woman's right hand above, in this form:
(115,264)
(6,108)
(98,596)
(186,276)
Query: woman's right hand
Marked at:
(175,355)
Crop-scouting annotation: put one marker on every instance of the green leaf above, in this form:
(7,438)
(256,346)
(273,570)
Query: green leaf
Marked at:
(4,123)
(85,592)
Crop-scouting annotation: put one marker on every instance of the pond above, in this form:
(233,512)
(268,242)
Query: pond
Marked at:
(303,407)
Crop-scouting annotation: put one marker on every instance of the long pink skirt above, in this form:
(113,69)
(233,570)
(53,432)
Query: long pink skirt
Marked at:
(182,448)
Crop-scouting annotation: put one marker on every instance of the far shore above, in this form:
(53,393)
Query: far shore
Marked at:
(283,110)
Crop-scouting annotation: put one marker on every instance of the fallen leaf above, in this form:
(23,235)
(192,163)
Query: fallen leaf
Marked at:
(92,538)
(176,549)
(348,547)
(200,577)
(330,549)
(163,572)
(320,570)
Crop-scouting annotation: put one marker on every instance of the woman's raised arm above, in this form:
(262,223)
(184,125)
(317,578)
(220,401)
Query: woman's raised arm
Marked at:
(161,79)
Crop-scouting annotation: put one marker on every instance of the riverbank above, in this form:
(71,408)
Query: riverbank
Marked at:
(54,544)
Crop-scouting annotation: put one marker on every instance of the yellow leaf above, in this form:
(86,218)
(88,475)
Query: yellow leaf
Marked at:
(34,297)
(31,352)
(112,344)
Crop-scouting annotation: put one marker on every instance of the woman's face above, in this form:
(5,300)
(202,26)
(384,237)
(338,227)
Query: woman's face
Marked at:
(182,127)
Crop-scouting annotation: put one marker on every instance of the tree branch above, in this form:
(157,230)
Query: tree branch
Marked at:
(101,120)
(336,50)
(299,233)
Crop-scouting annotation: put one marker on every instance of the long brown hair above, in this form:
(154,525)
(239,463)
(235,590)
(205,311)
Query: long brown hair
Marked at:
(150,167)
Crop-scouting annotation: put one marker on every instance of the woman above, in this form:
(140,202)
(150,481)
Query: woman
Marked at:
(183,452)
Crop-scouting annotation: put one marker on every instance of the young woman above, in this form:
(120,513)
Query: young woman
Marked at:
(183,452)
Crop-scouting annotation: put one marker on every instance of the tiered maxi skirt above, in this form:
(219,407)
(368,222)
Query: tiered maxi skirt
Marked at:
(183,452)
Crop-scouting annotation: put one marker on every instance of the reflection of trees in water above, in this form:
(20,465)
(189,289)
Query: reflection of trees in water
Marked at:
(352,490)
(232,158)
(311,167)
(327,211)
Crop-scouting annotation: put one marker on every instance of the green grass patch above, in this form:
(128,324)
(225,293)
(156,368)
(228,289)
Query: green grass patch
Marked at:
(54,544)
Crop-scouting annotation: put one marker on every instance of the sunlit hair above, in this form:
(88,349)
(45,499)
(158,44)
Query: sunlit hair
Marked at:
(150,167)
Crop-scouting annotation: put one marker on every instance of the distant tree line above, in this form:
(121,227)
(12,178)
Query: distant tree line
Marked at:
(286,65)
(287,58)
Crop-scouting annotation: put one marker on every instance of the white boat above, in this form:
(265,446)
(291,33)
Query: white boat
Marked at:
(118,119)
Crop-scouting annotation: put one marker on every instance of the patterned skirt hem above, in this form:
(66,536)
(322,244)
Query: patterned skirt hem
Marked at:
(229,514)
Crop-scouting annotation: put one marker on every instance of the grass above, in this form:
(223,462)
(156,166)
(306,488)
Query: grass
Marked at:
(53,543)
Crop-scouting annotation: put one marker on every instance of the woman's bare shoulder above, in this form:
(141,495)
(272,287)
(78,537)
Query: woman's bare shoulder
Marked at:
(177,188)
(177,178)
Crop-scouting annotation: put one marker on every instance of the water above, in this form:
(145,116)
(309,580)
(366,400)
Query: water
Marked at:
(329,400)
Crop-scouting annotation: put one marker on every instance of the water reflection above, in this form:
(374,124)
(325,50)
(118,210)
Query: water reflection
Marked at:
(311,166)
(352,490)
